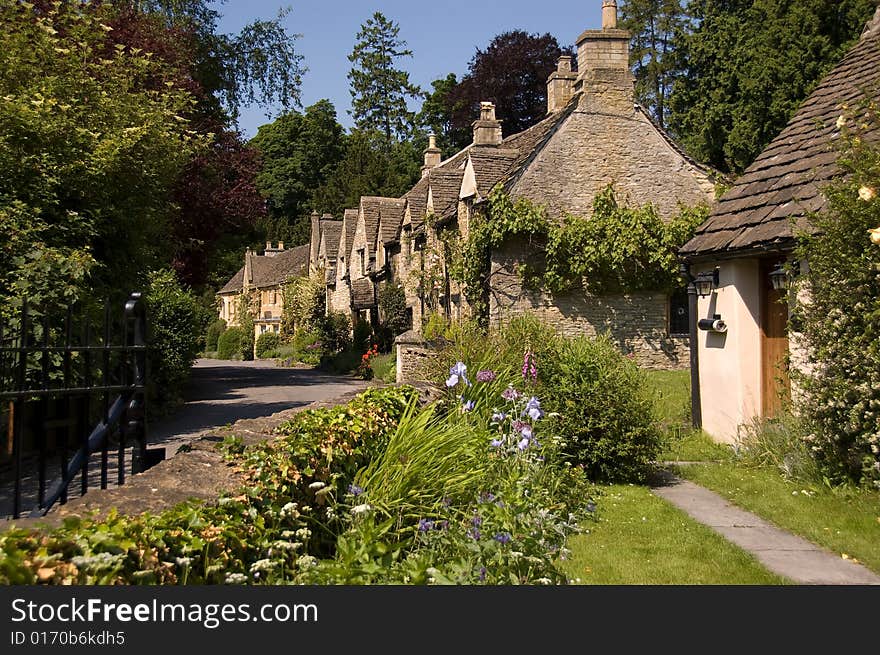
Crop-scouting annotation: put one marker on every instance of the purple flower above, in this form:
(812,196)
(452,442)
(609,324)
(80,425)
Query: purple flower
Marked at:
(510,394)
(446,502)
(526,432)
(444,525)
(483,573)
(468,405)
(474,533)
(486,497)
(522,445)
(457,373)
(498,417)
(485,376)
(533,409)
(503,537)
(530,367)
(477,521)
(591,507)
(355,490)
(425,525)
(496,443)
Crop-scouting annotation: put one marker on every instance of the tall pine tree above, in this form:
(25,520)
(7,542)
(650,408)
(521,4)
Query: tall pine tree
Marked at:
(379,90)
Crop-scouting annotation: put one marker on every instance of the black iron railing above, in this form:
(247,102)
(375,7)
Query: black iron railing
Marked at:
(72,388)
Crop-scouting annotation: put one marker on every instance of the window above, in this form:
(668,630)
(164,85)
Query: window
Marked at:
(362,262)
(679,313)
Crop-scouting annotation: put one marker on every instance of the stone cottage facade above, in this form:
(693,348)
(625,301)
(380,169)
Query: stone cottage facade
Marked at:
(743,372)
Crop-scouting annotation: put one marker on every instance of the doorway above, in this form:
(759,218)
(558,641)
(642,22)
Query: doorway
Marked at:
(775,380)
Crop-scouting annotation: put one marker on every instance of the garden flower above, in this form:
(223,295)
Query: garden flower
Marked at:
(486,497)
(236,578)
(483,573)
(530,367)
(841,121)
(468,405)
(526,432)
(477,521)
(503,537)
(875,236)
(498,417)
(425,525)
(533,409)
(317,485)
(361,509)
(522,445)
(457,373)
(496,443)
(510,394)
(474,533)
(866,193)
(355,490)
(485,376)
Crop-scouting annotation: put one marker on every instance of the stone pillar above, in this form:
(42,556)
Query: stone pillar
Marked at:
(433,155)
(314,241)
(487,130)
(560,85)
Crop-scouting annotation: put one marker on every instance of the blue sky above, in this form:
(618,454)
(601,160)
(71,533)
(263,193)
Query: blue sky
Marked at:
(443,35)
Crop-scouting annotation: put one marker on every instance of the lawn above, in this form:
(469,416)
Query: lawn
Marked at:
(845,521)
(640,539)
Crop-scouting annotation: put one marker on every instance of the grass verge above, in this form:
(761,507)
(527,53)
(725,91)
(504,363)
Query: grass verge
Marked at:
(843,520)
(639,539)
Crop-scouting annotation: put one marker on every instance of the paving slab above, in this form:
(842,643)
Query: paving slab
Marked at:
(779,551)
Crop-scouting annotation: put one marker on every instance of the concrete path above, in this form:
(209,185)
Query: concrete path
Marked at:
(222,392)
(781,552)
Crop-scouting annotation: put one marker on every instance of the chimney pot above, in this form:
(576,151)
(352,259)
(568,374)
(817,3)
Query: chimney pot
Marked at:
(433,155)
(280,245)
(609,14)
(564,64)
(268,246)
(487,130)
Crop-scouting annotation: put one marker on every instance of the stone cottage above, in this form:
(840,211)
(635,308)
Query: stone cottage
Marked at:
(260,281)
(339,287)
(737,256)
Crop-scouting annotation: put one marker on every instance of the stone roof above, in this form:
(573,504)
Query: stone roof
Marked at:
(351,220)
(417,199)
(445,183)
(784,184)
(274,271)
(236,284)
(390,219)
(371,208)
(363,293)
(491,165)
(331,232)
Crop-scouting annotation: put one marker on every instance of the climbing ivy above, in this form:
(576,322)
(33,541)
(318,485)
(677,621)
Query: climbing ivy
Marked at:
(618,249)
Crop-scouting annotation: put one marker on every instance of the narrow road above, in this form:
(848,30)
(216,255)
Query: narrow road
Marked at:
(222,392)
(219,393)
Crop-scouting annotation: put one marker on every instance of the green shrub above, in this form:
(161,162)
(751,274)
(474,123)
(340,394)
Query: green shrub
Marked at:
(230,342)
(335,332)
(175,324)
(606,415)
(385,367)
(777,443)
(267,344)
(215,329)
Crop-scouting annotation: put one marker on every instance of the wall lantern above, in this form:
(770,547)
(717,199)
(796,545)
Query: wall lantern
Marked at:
(781,278)
(707,282)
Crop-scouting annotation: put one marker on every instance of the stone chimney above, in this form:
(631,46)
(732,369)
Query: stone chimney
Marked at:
(603,65)
(560,85)
(248,270)
(433,155)
(487,130)
(270,251)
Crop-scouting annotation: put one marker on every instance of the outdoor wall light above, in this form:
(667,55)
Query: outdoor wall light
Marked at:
(707,282)
(714,324)
(781,278)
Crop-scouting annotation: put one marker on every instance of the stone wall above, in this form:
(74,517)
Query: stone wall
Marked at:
(413,354)
(637,322)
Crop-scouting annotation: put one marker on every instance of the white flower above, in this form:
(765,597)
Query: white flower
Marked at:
(306,562)
(183,561)
(361,509)
(262,565)
(867,194)
(841,121)
(304,534)
(875,236)
(236,578)
(317,485)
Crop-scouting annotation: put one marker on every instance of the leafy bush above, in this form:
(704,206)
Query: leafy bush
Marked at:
(304,304)
(230,343)
(606,415)
(392,310)
(842,316)
(175,323)
(267,344)
(777,443)
(215,329)
(335,331)
(385,367)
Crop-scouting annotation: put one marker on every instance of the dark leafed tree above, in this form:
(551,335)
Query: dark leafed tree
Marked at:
(380,90)
(654,25)
(512,72)
(299,152)
(748,66)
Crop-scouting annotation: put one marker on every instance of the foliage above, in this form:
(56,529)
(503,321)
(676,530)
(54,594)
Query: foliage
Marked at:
(842,317)
(304,304)
(175,321)
(379,90)
(215,329)
(335,331)
(748,64)
(266,345)
(88,155)
(229,343)
(777,443)
(248,305)
(605,414)
(299,154)
(267,532)
(654,25)
(385,367)
(394,319)
(619,249)
(438,113)
(519,91)
(365,369)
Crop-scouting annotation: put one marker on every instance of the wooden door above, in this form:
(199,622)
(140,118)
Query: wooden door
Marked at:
(775,381)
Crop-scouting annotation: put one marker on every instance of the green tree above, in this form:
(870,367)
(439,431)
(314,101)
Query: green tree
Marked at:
(88,154)
(749,65)
(380,90)
(299,153)
(655,24)
(438,116)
